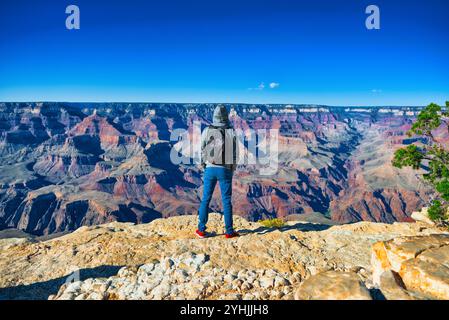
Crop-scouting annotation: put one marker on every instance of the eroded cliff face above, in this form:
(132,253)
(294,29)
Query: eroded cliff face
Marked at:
(67,165)
(164,260)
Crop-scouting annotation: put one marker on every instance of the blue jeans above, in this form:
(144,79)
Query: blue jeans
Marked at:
(224,178)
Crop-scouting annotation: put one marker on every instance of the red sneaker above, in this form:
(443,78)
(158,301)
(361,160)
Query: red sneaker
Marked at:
(232,235)
(200,234)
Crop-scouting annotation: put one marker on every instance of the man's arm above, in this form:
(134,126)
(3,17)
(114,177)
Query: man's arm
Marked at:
(203,146)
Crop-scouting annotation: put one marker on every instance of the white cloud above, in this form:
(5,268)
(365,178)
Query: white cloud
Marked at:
(260,87)
(376,91)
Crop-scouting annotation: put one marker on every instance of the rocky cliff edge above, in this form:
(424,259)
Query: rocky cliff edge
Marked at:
(164,260)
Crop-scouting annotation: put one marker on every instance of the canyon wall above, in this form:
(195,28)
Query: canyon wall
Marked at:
(66,165)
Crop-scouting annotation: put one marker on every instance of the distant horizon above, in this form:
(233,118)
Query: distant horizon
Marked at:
(228,103)
(439,99)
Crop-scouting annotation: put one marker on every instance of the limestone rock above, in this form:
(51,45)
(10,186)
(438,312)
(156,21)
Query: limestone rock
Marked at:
(266,282)
(166,255)
(423,216)
(11,242)
(160,281)
(392,287)
(333,285)
(422,262)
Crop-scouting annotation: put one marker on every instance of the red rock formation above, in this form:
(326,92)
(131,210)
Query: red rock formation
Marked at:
(63,165)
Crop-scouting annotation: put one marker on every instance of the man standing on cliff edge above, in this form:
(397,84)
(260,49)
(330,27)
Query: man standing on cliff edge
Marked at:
(219,151)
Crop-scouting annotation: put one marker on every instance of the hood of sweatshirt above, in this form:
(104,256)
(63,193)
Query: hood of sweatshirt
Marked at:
(220,118)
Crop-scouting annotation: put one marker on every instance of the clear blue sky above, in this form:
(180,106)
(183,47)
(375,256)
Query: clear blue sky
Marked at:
(222,51)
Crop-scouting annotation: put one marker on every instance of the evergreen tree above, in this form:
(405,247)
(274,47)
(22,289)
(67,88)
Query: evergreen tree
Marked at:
(432,156)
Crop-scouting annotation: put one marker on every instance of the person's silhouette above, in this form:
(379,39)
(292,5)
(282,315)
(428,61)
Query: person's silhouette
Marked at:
(219,150)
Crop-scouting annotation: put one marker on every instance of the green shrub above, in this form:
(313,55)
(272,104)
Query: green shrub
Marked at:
(272,223)
(437,211)
(443,188)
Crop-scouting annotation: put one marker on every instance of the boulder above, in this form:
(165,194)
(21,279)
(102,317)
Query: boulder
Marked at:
(422,262)
(422,216)
(392,287)
(333,285)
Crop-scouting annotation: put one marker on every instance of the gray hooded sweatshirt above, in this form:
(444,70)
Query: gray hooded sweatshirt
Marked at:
(221,119)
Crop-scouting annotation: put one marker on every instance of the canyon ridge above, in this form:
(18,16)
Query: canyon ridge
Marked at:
(65,165)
